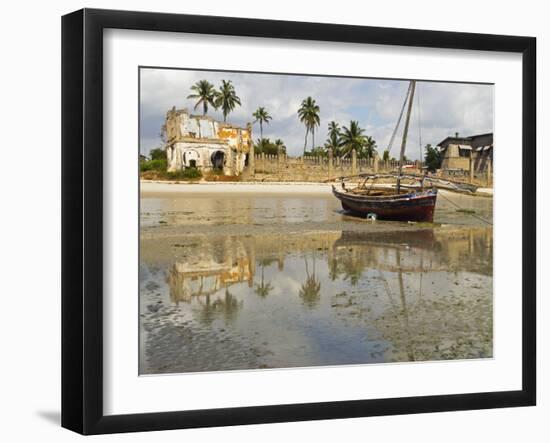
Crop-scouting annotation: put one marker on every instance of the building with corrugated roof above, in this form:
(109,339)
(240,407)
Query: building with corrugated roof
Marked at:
(458,153)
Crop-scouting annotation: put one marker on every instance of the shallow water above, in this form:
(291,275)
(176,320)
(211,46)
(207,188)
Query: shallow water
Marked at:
(223,209)
(218,295)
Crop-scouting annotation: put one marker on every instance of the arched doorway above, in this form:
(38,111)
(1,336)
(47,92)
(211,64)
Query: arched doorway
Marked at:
(217,159)
(190,158)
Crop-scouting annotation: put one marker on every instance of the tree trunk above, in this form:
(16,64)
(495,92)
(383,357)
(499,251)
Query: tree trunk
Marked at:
(305,141)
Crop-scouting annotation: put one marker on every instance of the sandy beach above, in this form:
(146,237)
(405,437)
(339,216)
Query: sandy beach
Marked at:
(153,187)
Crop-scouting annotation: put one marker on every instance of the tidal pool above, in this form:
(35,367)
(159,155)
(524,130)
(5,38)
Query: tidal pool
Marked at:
(269,282)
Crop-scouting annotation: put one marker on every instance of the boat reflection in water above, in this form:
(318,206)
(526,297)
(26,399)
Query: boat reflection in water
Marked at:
(310,299)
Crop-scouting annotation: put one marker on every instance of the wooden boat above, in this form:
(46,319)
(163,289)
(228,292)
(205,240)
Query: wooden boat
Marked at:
(416,204)
(386,204)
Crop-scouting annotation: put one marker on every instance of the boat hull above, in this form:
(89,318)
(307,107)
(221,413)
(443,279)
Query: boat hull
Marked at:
(417,206)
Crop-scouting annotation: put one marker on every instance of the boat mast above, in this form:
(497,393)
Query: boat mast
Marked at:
(405,132)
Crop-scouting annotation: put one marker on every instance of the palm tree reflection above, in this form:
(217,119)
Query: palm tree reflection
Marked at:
(263,289)
(349,264)
(310,291)
(333,271)
(227,308)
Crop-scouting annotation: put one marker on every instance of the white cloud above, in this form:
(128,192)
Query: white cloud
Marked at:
(445,108)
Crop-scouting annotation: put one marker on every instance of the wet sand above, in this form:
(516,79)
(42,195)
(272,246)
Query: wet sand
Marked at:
(251,276)
(188,208)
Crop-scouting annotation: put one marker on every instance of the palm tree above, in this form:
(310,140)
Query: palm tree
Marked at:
(353,138)
(319,151)
(226,98)
(370,146)
(261,146)
(280,146)
(308,113)
(261,116)
(205,93)
(334,138)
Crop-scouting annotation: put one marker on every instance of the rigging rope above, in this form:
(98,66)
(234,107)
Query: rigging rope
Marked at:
(459,207)
(399,119)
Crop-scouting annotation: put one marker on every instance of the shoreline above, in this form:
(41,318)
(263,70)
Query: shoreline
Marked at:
(156,187)
(162,187)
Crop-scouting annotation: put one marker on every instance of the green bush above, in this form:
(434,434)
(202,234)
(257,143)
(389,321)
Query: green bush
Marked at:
(265,146)
(153,165)
(218,171)
(432,158)
(186,174)
(157,154)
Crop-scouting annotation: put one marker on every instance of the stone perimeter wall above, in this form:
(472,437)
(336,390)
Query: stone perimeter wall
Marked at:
(315,168)
(319,169)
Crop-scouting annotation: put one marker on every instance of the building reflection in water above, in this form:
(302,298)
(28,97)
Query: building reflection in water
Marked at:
(450,319)
(427,293)
(213,267)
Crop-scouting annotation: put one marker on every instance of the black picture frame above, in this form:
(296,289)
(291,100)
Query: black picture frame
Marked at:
(82,219)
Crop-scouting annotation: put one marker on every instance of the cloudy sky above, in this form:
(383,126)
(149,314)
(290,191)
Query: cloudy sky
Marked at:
(440,109)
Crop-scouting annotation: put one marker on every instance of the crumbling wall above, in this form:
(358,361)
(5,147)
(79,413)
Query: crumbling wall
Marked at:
(193,139)
(453,160)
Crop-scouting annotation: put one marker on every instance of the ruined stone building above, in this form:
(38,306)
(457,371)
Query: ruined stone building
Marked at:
(201,142)
(458,151)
